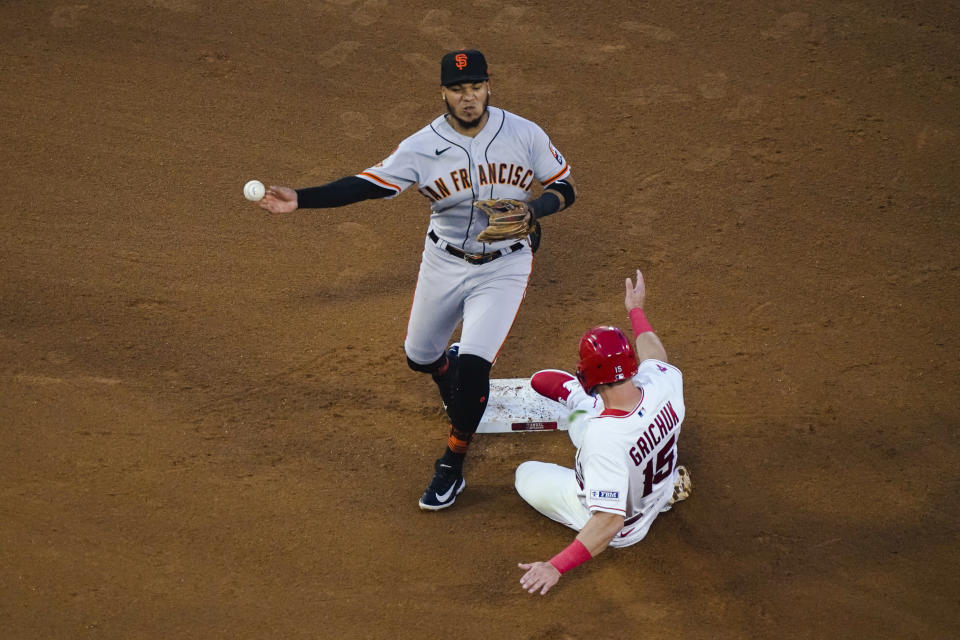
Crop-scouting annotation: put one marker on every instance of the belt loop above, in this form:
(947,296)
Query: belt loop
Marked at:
(436,239)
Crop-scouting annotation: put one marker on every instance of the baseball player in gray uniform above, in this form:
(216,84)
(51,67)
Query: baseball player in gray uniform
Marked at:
(626,406)
(476,166)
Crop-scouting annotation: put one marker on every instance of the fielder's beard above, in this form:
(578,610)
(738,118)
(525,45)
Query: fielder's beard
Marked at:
(469,124)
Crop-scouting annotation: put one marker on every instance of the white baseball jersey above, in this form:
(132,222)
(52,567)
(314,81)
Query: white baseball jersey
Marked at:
(451,170)
(625,463)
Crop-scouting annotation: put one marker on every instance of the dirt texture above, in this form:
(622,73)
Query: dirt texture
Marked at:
(207,425)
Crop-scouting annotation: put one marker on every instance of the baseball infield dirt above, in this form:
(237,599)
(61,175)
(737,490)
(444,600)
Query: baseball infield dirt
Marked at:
(208,426)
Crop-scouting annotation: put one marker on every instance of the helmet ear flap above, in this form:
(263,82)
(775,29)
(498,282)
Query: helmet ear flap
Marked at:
(582,379)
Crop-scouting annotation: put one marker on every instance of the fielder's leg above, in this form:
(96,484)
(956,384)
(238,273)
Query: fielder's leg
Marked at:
(472,390)
(443,370)
(436,311)
(495,293)
(435,314)
(472,393)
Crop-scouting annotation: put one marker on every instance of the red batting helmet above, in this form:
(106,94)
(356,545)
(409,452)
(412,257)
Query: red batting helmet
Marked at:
(606,356)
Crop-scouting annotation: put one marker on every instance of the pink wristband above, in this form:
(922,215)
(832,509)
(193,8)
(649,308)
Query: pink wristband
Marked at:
(639,321)
(573,556)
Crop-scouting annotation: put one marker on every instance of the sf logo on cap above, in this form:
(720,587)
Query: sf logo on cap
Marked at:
(461,61)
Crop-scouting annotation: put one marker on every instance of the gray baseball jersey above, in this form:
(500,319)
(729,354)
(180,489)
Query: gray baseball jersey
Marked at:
(503,160)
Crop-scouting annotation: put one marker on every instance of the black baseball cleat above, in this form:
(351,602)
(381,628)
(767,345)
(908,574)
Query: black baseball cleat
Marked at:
(446,485)
(447,383)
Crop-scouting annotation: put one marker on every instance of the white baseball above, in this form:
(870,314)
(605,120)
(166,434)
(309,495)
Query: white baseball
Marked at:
(253,190)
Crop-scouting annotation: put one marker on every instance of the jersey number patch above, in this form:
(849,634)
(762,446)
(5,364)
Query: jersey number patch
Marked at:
(664,467)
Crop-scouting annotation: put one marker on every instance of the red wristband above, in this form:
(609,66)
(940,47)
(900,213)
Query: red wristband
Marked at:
(639,321)
(573,556)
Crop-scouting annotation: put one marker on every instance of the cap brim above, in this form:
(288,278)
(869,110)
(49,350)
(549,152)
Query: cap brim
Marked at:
(466,79)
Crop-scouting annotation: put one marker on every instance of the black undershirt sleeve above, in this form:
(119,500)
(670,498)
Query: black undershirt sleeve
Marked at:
(546,204)
(340,192)
(549,202)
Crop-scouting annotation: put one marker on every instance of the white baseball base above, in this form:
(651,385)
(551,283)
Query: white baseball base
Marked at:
(515,407)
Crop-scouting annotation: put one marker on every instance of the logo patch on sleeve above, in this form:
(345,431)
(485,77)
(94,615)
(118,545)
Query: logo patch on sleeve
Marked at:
(556,154)
(605,495)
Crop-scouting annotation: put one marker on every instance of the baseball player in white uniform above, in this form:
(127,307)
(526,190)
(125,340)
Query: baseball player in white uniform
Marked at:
(626,406)
(472,152)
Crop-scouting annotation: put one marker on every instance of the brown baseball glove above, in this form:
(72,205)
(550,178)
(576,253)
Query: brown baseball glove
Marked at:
(508,219)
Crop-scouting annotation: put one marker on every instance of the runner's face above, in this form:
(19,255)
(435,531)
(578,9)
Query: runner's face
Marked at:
(467,102)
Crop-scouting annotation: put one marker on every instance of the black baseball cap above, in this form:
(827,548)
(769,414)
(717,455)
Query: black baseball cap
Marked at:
(467,65)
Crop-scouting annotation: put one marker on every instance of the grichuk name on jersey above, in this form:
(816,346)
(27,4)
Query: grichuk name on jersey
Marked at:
(489,173)
(662,424)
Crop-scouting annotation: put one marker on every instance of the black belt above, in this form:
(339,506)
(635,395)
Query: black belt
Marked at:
(474,258)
